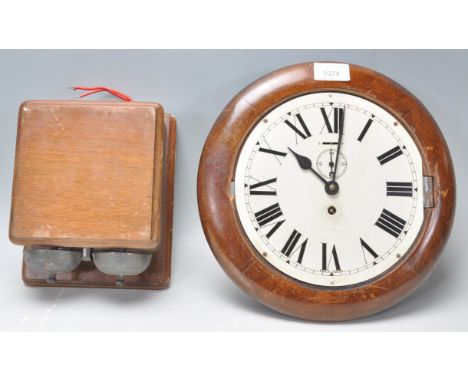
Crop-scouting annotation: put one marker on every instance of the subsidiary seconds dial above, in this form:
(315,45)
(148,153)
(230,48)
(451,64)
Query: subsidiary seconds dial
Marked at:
(328,189)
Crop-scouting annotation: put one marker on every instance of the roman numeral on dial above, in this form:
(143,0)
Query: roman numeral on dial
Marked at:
(290,246)
(254,191)
(400,189)
(364,130)
(390,223)
(337,116)
(274,229)
(301,130)
(326,259)
(268,214)
(273,152)
(368,249)
(389,155)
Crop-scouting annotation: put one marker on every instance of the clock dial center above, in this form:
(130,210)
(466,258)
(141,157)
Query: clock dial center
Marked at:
(305,200)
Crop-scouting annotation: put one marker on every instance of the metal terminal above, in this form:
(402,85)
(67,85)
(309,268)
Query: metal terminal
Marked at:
(51,260)
(428,191)
(120,280)
(86,254)
(120,263)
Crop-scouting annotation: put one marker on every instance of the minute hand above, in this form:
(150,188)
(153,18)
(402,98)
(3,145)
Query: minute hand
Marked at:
(340,138)
(306,164)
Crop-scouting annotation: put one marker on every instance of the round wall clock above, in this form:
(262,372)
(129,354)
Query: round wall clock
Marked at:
(326,191)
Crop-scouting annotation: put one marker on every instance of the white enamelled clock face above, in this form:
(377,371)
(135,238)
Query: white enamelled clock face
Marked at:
(328,188)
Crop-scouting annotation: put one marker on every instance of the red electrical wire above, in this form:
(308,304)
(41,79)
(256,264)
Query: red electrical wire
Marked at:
(98,89)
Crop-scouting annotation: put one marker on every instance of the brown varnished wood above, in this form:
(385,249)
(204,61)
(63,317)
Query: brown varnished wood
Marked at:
(87,174)
(133,200)
(242,262)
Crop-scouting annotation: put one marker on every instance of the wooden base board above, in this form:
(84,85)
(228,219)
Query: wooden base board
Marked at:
(158,274)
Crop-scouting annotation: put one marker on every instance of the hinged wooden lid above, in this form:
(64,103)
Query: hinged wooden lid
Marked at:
(88,174)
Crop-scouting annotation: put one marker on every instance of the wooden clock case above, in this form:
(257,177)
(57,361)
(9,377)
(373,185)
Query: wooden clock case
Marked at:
(97,176)
(245,265)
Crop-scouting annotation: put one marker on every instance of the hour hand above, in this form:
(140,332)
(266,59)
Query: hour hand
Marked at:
(306,164)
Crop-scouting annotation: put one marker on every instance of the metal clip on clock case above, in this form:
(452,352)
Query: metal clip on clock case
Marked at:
(93,193)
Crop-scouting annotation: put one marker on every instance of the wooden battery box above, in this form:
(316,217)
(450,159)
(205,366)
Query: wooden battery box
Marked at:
(93,193)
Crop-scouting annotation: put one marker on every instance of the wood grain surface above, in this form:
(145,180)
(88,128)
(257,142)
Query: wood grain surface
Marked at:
(87,174)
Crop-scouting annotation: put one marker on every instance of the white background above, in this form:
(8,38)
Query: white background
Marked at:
(195,86)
